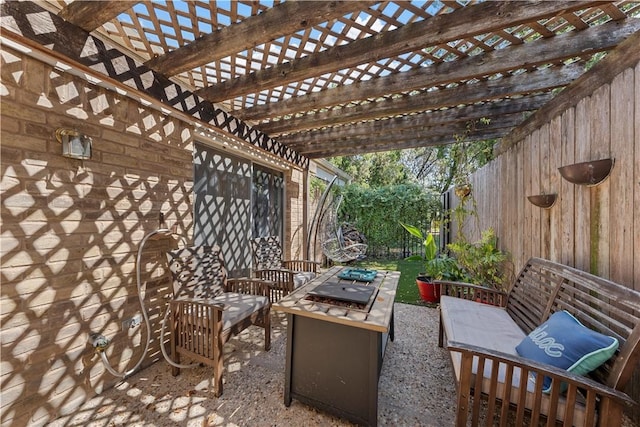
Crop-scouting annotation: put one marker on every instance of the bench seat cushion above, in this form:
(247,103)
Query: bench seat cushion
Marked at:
(491,327)
(484,325)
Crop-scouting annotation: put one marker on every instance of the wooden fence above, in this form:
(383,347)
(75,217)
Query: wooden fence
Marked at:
(596,229)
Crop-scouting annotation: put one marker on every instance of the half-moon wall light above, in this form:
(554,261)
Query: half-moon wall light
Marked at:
(587,173)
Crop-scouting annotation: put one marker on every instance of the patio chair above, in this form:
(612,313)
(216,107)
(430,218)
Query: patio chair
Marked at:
(286,274)
(208,308)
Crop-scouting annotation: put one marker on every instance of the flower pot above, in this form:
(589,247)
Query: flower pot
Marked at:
(462,191)
(429,291)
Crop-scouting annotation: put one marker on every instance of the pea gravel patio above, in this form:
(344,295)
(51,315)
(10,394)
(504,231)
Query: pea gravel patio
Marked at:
(416,386)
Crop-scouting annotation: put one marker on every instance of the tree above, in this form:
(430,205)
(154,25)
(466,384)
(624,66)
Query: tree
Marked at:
(440,167)
(375,170)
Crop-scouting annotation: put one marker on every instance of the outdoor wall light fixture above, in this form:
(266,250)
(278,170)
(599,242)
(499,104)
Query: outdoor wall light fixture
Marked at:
(544,201)
(74,144)
(587,173)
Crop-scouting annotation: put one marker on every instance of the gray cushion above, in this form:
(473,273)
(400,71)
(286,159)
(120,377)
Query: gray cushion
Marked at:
(303,277)
(239,306)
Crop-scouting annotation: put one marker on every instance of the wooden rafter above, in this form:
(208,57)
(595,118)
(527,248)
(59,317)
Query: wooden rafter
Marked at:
(424,121)
(431,118)
(466,22)
(90,15)
(545,51)
(400,134)
(523,83)
(374,146)
(278,21)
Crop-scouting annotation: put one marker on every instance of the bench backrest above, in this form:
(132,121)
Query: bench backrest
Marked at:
(198,272)
(545,287)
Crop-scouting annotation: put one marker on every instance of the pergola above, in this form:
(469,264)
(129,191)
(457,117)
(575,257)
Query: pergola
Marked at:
(271,86)
(341,78)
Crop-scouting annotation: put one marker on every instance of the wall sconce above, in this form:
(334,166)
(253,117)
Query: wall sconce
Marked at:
(74,144)
(587,173)
(544,201)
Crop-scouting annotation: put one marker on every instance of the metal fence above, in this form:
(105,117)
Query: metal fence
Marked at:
(403,244)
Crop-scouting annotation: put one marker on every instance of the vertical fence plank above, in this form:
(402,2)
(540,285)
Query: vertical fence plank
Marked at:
(583,199)
(636,188)
(621,194)
(545,233)
(534,154)
(553,186)
(520,202)
(528,184)
(635,231)
(567,190)
(600,149)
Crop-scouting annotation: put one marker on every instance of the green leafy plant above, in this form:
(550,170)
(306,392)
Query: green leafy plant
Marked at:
(437,267)
(484,263)
(377,212)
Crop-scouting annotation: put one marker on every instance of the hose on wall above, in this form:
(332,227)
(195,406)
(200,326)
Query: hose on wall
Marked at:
(100,342)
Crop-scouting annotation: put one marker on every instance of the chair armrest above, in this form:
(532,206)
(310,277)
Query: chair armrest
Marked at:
(250,286)
(469,385)
(472,292)
(280,279)
(301,265)
(195,301)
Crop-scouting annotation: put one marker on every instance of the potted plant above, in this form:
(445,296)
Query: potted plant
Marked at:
(437,267)
(484,263)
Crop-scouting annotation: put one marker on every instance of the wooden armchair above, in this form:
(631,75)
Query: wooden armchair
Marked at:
(285,274)
(208,308)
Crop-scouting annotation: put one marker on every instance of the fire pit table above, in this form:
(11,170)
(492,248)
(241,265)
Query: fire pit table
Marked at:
(337,330)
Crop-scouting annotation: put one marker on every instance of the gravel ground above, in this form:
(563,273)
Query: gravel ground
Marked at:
(416,386)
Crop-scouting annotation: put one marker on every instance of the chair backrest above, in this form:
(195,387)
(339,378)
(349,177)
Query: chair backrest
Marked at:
(198,272)
(267,252)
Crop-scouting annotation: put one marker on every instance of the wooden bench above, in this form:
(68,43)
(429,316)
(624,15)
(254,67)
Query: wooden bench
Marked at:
(208,308)
(481,328)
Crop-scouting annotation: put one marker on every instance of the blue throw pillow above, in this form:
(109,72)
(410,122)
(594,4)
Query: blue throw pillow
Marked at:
(564,342)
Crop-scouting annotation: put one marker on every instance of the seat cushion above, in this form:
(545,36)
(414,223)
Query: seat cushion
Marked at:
(303,277)
(484,325)
(239,306)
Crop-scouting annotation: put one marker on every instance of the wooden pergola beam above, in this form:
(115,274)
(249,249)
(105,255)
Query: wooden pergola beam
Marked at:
(90,15)
(525,83)
(399,135)
(561,47)
(362,148)
(282,19)
(626,55)
(431,118)
(465,22)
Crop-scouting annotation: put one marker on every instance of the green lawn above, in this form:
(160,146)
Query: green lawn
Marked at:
(407,291)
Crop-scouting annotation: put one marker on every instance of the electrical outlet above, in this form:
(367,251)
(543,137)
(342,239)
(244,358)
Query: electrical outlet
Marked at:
(131,322)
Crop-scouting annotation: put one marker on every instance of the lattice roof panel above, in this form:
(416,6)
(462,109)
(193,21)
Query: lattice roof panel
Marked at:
(273,63)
